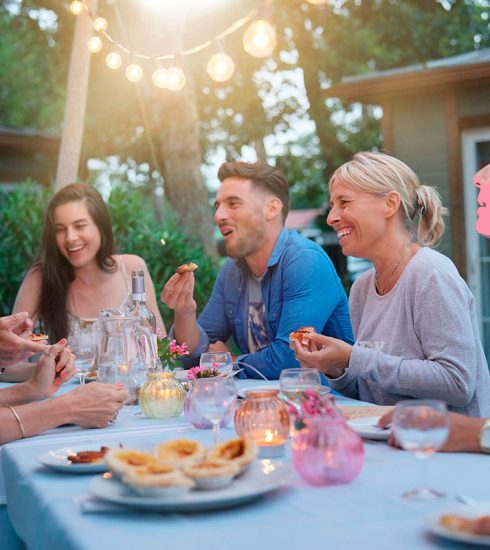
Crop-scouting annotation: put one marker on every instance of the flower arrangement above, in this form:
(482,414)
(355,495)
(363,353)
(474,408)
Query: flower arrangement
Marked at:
(169,351)
(313,405)
(203,372)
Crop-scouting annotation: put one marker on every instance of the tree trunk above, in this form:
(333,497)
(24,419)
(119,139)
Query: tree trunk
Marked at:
(178,136)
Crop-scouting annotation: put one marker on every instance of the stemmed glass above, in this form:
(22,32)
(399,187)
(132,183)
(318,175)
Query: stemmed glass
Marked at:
(294,382)
(222,360)
(422,427)
(213,398)
(84,359)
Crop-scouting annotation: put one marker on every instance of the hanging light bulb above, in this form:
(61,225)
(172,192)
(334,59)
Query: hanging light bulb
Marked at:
(176,79)
(260,38)
(94,44)
(160,77)
(134,72)
(76,7)
(220,65)
(113,60)
(100,24)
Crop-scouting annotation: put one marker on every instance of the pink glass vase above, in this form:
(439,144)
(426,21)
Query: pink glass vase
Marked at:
(326,451)
(197,420)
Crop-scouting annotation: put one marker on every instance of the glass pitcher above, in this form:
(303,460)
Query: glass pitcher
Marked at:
(120,356)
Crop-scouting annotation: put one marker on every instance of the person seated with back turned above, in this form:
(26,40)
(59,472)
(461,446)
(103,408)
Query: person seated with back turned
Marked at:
(91,406)
(77,272)
(414,317)
(273,282)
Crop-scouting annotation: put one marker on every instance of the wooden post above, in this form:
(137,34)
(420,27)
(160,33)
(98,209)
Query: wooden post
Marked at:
(76,101)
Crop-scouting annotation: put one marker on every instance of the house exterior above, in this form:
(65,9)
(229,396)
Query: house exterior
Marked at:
(27,153)
(436,118)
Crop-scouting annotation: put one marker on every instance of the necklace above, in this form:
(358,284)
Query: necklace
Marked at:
(381,291)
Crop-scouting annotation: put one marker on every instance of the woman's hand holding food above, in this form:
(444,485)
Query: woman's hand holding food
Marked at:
(329,355)
(15,343)
(94,405)
(55,366)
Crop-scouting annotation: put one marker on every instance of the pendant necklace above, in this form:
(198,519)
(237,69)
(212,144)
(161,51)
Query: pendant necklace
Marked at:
(381,291)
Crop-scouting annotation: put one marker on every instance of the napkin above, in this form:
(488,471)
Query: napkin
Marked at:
(353,412)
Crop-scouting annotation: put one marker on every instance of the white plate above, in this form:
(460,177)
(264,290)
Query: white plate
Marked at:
(433,524)
(366,427)
(264,476)
(57,459)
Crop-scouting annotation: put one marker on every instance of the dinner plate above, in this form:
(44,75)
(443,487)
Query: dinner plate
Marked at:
(262,477)
(366,428)
(434,525)
(57,460)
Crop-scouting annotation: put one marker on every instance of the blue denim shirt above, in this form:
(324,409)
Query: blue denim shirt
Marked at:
(300,288)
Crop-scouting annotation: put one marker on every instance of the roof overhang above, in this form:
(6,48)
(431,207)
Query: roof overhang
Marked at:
(375,89)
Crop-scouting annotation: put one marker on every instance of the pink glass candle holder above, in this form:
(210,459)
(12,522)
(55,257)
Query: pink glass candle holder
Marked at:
(326,451)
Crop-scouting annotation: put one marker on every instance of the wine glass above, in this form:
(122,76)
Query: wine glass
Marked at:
(422,427)
(84,360)
(294,382)
(213,398)
(222,360)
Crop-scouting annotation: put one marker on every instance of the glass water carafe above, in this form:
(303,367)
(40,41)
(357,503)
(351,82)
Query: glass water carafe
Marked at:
(120,356)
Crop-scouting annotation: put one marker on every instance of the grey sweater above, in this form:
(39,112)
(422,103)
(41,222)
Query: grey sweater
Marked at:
(419,341)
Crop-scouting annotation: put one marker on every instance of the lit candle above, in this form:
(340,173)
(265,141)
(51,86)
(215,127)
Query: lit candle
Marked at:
(271,445)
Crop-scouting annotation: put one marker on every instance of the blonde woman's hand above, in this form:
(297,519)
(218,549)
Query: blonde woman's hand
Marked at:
(329,355)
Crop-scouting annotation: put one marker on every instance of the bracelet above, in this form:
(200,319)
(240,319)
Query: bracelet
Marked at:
(19,421)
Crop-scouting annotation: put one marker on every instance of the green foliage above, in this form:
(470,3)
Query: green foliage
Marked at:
(135,231)
(21,215)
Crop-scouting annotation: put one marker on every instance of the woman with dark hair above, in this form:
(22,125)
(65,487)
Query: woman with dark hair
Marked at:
(77,272)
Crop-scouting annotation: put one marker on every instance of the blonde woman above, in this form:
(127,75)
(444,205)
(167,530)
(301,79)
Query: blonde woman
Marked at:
(413,316)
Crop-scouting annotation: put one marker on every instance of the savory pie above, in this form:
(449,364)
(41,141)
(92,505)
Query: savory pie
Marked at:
(475,526)
(37,337)
(212,474)
(301,335)
(158,480)
(186,268)
(123,461)
(180,452)
(241,451)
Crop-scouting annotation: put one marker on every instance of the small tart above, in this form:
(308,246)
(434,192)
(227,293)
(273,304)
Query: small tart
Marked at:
(185,268)
(122,461)
(180,452)
(37,337)
(158,480)
(212,474)
(241,451)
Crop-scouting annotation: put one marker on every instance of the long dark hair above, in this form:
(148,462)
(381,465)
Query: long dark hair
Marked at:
(57,272)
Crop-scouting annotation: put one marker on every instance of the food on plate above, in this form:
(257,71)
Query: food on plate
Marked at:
(186,268)
(180,452)
(212,474)
(122,461)
(37,337)
(301,335)
(241,451)
(158,480)
(88,457)
(474,526)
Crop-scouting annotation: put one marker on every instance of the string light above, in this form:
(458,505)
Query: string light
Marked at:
(113,60)
(259,40)
(220,65)
(100,24)
(176,79)
(160,77)
(94,44)
(76,7)
(134,73)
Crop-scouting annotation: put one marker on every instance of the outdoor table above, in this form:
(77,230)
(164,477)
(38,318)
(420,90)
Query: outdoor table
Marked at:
(367,513)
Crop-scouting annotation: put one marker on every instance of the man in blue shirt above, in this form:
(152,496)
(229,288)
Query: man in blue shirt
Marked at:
(273,282)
